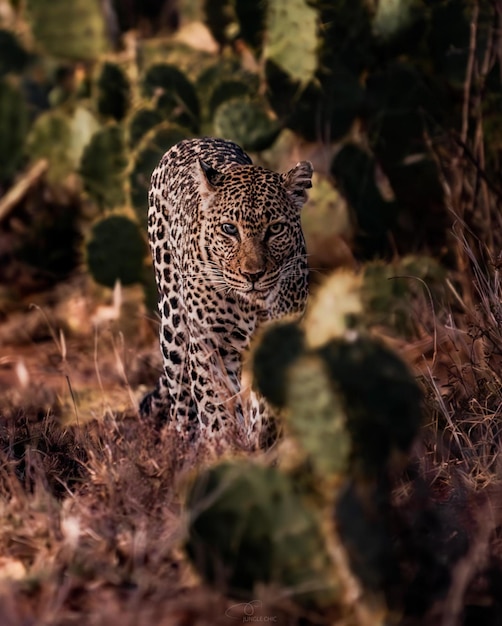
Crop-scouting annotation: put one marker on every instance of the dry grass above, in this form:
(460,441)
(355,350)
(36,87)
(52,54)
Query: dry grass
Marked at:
(92,528)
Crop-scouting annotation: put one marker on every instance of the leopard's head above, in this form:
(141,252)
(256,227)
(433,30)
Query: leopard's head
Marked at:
(250,241)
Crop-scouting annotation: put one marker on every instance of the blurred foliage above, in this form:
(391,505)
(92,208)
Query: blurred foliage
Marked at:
(352,410)
(269,534)
(381,83)
(71,30)
(113,92)
(247,123)
(13,57)
(149,152)
(290,21)
(116,251)
(389,289)
(103,167)
(13,129)
(174,94)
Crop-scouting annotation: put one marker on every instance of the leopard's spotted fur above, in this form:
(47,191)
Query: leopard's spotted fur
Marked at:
(229,254)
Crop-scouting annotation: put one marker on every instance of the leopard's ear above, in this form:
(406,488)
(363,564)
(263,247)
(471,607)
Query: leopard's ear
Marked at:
(297,181)
(206,177)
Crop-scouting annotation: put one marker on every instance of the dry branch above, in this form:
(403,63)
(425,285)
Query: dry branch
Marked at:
(21,188)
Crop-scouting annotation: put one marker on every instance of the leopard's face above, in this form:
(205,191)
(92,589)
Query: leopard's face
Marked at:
(250,241)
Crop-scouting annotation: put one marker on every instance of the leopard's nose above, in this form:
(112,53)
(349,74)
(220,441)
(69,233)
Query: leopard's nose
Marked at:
(253,275)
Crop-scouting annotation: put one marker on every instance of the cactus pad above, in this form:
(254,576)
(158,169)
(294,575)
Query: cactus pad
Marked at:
(116,250)
(70,30)
(292,42)
(247,525)
(175,96)
(113,91)
(142,121)
(247,123)
(152,147)
(103,167)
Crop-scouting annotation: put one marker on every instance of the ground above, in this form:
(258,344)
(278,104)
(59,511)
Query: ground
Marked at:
(93,526)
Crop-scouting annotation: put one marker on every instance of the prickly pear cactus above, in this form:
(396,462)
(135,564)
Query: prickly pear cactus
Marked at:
(292,42)
(317,417)
(174,95)
(380,397)
(221,19)
(247,526)
(350,407)
(142,121)
(374,214)
(61,137)
(116,250)
(149,152)
(113,91)
(247,123)
(228,90)
(69,30)
(103,166)
(389,289)
(350,402)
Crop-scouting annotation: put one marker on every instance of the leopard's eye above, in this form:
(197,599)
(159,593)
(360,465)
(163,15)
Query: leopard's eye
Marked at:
(276,228)
(230,229)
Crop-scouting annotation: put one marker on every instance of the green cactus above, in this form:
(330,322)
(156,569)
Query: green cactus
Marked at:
(351,407)
(71,30)
(247,525)
(141,122)
(283,345)
(221,81)
(50,138)
(398,95)
(388,290)
(346,36)
(323,109)
(13,130)
(61,137)
(350,402)
(174,95)
(247,123)
(113,91)
(380,397)
(225,68)
(292,41)
(116,250)
(238,19)
(399,26)
(149,152)
(317,418)
(13,57)
(103,166)
(354,170)
(363,519)
(228,90)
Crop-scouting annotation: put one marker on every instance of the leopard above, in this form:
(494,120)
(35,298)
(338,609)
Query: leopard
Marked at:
(229,256)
